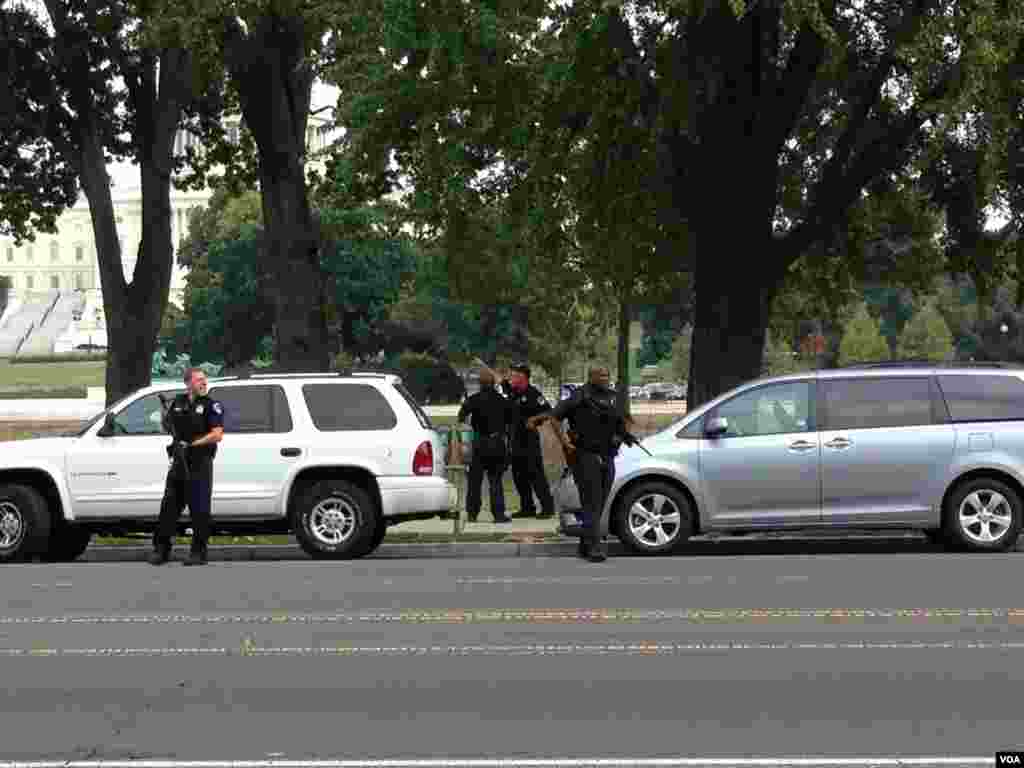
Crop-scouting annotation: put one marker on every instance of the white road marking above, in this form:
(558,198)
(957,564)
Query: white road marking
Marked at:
(458,616)
(583,649)
(738,762)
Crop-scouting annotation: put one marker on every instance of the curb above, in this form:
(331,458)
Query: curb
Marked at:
(722,545)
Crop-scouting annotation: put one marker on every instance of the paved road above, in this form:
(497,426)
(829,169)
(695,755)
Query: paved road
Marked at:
(830,652)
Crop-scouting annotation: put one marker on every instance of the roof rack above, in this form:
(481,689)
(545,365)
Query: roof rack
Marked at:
(267,373)
(933,364)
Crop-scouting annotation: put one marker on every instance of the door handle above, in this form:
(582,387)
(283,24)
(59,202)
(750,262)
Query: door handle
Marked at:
(839,443)
(291,451)
(801,445)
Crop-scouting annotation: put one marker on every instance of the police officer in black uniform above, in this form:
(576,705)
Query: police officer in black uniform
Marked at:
(598,429)
(488,412)
(527,455)
(197,425)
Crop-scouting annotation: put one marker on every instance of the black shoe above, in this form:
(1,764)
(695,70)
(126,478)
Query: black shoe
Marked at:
(503,519)
(159,556)
(472,518)
(596,553)
(522,515)
(545,515)
(196,558)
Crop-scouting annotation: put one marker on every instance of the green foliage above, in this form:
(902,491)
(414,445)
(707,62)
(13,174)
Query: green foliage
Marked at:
(780,357)
(165,369)
(44,393)
(429,380)
(227,315)
(40,179)
(677,366)
(605,128)
(66,357)
(862,340)
(926,336)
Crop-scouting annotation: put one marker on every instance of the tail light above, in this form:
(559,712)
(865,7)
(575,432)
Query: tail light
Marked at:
(423,461)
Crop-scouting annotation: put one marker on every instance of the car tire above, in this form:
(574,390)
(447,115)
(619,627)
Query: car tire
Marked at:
(966,528)
(24,523)
(378,537)
(67,543)
(335,519)
(937,537)
(654,518)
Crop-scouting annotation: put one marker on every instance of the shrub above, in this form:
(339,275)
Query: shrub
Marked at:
(44,393)
(69,357)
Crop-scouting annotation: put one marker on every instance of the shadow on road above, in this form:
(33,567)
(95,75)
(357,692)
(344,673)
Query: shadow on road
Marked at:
(752,546)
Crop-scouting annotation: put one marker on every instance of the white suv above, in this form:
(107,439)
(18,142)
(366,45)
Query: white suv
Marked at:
(333,458)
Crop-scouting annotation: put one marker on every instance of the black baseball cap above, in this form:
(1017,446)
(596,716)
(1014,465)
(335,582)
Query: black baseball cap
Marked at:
(523,369)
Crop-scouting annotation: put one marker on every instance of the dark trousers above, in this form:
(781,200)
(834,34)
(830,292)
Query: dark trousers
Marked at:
(193,488)
(474,485)
(528,475)
(594,475)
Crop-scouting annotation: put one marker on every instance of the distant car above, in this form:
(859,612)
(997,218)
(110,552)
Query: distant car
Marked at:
(660,390)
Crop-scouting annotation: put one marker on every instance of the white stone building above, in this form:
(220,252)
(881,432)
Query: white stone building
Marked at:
(56,303)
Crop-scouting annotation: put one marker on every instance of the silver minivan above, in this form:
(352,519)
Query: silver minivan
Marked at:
(933,447)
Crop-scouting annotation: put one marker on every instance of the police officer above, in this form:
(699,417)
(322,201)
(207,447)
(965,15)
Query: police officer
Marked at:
(527,455)
(197,425)
(488,411)
(598,429)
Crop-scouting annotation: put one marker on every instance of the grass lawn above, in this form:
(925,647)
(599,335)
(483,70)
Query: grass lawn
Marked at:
(29,375)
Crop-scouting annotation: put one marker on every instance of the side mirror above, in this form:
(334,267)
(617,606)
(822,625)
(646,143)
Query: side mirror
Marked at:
(107,430)
(717,426)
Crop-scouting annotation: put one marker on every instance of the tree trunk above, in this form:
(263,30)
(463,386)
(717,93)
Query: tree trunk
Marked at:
(274,76)
(301,340)
(738,273)
(622,393)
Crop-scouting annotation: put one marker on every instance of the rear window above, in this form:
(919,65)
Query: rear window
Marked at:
(340,407)
(983,398)
(424,419)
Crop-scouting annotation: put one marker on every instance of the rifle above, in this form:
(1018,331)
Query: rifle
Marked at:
(177,449)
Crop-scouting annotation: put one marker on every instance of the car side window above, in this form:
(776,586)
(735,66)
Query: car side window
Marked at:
(774,409)
(142,417)
(871,403)
(254,409)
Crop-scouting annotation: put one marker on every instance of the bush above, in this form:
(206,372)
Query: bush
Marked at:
(44,393)
(430,380)
(69,357)
(164,369)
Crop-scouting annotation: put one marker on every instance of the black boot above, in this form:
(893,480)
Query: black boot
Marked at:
(161,553)
(596,551)
(197,556)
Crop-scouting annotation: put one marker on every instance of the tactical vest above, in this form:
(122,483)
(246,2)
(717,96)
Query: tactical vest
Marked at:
(595,421)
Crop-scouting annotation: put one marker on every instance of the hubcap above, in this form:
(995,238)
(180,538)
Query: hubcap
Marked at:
(654,520)
(985,516)
(333,521)
(12,526)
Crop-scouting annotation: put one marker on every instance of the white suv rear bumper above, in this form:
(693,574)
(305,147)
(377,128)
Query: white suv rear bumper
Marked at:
(411,495)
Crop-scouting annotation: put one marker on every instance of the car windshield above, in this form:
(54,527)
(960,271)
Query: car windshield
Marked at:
(88,425)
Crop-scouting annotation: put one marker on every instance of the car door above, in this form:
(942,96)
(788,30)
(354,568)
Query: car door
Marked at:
(122,475)
(764,470)
(885,450)
(256,455)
